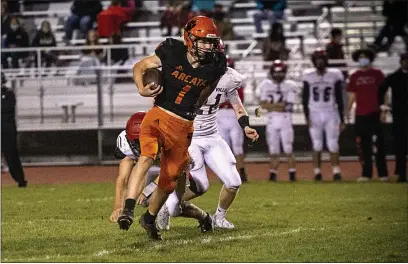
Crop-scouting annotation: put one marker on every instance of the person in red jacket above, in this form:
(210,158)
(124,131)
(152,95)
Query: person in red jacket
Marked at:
(363,89)
(111,20)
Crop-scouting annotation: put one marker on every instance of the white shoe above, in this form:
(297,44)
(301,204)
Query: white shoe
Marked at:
(384,179)
(222,223)
(4,168)
(163,218)
(363,179)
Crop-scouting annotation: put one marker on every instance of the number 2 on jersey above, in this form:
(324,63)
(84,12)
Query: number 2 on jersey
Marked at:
(182,93)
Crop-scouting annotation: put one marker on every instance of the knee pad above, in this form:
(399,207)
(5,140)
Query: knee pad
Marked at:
(333,145)
(317,145)
(233,179)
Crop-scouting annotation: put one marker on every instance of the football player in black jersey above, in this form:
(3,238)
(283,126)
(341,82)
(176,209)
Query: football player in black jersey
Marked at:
(191,71)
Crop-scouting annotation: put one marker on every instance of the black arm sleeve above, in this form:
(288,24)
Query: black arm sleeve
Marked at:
(338,90)
(382,90)
(305,99)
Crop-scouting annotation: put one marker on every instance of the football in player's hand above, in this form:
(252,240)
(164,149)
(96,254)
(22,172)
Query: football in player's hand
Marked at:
(153,75)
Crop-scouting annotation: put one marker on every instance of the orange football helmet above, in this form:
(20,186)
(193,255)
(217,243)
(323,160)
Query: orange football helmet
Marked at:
(202,28)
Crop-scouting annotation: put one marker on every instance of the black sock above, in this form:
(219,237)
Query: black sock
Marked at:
(149,218)
(272,175)
(130,204)
(242,171)
(292,174)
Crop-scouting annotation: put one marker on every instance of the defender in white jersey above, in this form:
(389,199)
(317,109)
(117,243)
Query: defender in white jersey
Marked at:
(208,148)
(231,131)
(278,95)
(128,150)
(322,92)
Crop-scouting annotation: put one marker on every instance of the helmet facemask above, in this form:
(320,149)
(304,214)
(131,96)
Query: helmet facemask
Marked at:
(204,55)
(278,76)
(134,146)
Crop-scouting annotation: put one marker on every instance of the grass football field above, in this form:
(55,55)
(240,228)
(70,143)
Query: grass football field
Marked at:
(276,222)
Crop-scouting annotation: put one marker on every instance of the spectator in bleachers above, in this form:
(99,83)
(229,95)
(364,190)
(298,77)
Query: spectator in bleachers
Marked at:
(334,49)
(169,16)
(5,18)
(119,55)
(274,46)
(222,22)
(92,39)
(203,7)
(396,13)
(83,16)
(45,38)
(13,6)
(111,20)
(272,10)
(16,37)
(183,15)
(363,89)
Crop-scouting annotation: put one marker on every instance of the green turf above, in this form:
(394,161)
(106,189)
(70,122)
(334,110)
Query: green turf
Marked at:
(283,222)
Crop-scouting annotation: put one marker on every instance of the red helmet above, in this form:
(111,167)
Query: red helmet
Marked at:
(133,126)
(319,53)
(202,28)
(278,66)
(278,70)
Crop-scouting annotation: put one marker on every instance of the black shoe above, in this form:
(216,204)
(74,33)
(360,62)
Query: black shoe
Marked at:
(318,177)
(150,228)
(337,177)
(125,220)
(206,224)
(272,177)
(292,176)
(22,184)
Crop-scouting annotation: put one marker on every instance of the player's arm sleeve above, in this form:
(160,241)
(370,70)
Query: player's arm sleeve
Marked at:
(338,91)
(305,99)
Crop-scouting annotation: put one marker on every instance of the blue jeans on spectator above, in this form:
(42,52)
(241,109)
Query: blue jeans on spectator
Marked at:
(270,15)
(84,23)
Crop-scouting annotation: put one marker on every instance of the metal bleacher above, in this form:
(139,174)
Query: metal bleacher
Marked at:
(359,19)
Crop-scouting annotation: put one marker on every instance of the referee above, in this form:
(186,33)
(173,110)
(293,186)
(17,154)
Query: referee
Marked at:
(9,133)
(398,82)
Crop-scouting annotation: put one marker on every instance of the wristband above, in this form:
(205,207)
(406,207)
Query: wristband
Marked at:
(243,121)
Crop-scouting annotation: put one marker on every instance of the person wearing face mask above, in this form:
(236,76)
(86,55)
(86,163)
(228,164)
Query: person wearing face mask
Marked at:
(363,90)
(16,37)
(398,82)
(45,38)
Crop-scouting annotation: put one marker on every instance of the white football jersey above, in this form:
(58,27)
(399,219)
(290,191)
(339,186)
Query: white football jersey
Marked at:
(273,92)
(205,122)
(123,145)
(321,93)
